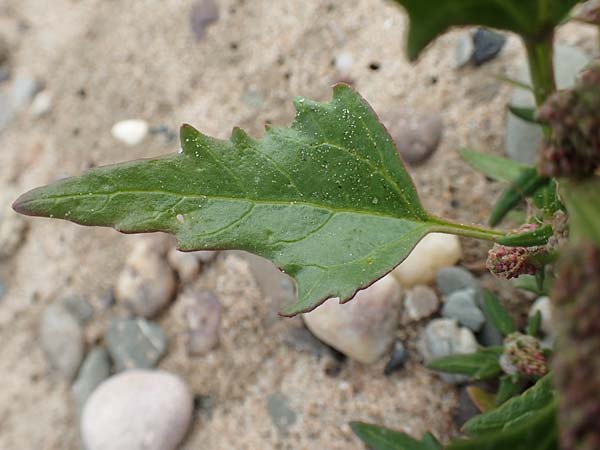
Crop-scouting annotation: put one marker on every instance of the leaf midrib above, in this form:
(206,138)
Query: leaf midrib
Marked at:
(224,198)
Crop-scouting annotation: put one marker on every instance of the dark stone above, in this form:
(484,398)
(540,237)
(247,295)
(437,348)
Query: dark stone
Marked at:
(466,408)
(397,360)
(488,45)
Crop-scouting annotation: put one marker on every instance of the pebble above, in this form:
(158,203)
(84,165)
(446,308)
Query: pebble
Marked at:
(41,104)
(418,137)
(79,308)
(452,279)
(487,45)
(462,306)
(421,302)
(466,408)
(544,306)
(2,289)
(397,360)
(489,336)
(443,337)
(12,225)
(363,328)
(187,265)
(202,14)
(23,91)
(434,251)
(302,340)
(282,415)
(344,62)
(464,50)
(137,410)
(202,313)
(146,284)
(94,370)
(135,343)
(130,132)
(61,339)
(523,139)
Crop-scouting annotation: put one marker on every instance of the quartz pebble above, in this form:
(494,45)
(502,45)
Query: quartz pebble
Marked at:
(343,63)
(462,306)
(94,370)
(137,410)
(61,339)
(363,328)
(41,104)
(131,132)
(202,314)
(187,265)
(443,337)
(146,284)
(421,302)
(434,251)
(135,343)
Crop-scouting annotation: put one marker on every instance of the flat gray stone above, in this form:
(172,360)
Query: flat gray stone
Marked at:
(282,415)
(523,139)
(94,370)
(135,343)
(452,279)
(79,307)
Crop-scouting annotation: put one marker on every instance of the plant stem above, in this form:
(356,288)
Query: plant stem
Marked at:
(540,56)
(445,226)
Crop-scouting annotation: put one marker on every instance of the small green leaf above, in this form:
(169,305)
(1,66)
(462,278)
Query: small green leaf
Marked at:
(547,200)
(539,236)
(581,200)
(513,82)
(534,324)
(532,19)
(430,442)
(538,431)
(530,284)
(507,389)
(528,183)
(381,438)
(496,314)
(328,200)
(496,167)
(481,365)
(515,410)
(524,113)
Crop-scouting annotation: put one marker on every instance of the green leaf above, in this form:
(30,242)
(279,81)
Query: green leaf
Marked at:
(515,410)
(534,324)
(530,284)
(507,389)
(496,167)
(482,399)
(381,438)
(539,236)
(328,200)
(429,442)
(524,113)
(481,365)
(527,184)
(538,431)
(581,200)
(532,19)
(496,314)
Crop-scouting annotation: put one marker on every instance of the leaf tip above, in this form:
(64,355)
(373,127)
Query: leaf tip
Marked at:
(22,205)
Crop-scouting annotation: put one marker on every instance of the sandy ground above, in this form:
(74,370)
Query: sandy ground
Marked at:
(106,61)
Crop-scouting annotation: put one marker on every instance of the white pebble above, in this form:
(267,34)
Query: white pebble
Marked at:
(344,62)
(130,132)
(436,250)
(42,104)
(137,410)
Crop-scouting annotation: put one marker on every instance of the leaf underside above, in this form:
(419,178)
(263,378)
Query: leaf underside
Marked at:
(327,200)
(532,19)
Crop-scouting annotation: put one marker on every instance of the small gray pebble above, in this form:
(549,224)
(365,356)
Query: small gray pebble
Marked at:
(23,91)
(302,340)
(202,14)
(79,307)
(464,50)
(421,302)
(202,314)
(488,44)
(61,338)
(462,306)
(489,336)
(452,279)
(282,415)
(397,360)
(2,289)
(135,343)
(94,370)
(418,138)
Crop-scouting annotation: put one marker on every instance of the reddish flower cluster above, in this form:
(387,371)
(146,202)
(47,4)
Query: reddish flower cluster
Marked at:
(512,262)
(574,116)
(524,354)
